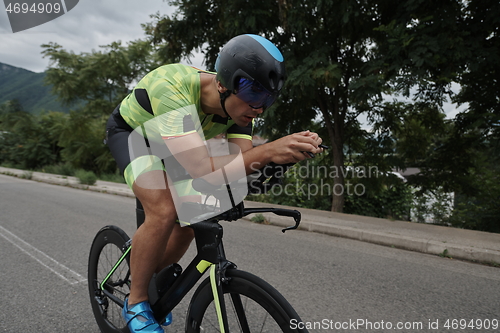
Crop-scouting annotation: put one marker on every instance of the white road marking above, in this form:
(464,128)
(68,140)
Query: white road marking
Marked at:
(46,261)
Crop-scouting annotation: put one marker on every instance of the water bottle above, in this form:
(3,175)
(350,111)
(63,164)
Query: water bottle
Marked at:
(166,278)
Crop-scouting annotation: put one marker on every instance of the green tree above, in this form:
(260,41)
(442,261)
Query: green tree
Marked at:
(463,158)
(53,124)
(433,45)
(328,50)
(14,121)
(11,106)
(99,79)
(343,57)
(81,137)
(24,140)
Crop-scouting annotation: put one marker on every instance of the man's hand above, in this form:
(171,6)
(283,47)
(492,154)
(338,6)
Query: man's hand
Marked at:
(295,147)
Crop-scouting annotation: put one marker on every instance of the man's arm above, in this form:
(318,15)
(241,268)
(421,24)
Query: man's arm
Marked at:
(193,155)
(244,145)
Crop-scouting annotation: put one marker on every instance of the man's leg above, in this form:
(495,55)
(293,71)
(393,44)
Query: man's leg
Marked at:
(151,239)
(177,245)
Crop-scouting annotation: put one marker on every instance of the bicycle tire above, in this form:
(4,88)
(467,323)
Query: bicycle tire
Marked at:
(107,248)
(258,298)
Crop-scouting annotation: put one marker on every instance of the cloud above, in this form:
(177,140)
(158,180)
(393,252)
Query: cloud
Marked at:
(83,29)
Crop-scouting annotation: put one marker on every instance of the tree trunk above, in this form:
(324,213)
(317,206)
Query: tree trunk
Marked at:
(335,137)
(338,185)
(338,164)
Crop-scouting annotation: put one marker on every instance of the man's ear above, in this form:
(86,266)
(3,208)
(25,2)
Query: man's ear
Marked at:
(220,87)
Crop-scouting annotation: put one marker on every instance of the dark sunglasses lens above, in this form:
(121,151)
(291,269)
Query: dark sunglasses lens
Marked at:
(254,94)
(266,102)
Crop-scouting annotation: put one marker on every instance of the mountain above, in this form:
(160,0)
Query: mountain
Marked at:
(29,89)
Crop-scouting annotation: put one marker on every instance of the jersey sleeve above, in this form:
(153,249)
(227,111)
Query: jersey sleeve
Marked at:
(178,122)
(240,132)
(175,106)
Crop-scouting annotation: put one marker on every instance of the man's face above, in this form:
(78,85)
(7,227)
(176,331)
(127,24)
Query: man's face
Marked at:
(240,111)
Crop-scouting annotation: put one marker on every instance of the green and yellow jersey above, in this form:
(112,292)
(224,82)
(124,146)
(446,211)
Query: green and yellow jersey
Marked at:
(171,95)
(166,104)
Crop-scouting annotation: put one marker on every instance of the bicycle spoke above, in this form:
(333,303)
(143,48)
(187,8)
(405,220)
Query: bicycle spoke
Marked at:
(107,303)
(253,318)
(240,313)
(264,322)
(111,255)
(244,316)
(211,327)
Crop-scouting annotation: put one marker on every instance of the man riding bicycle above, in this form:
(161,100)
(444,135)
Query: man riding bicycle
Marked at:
(188,106)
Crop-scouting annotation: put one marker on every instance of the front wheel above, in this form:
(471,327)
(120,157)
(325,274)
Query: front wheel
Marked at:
(107,299)
(252,305)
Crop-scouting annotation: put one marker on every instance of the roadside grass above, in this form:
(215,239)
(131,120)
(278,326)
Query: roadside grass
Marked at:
(66,170)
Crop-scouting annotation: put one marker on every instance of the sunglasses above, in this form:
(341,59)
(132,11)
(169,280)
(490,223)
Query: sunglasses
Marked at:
(254,94)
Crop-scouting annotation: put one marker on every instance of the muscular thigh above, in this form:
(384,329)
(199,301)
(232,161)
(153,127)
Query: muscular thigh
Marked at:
(152,190)
(163,198)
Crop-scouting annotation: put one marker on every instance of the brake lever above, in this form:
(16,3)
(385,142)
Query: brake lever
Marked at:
(292,213)
(278,211)
(311,155)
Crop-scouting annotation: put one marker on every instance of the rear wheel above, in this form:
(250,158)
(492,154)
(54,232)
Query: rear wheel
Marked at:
(108,247)
(252,306)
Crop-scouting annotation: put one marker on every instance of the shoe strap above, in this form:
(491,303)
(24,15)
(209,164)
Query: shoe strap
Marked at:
(142,309)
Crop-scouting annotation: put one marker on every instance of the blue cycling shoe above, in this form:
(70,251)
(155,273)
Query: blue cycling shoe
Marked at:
(140,318)
(168,320)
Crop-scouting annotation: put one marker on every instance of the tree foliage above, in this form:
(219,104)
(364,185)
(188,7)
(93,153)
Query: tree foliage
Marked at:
(99,79)
(24,141)
(386,64)
(327,46)
(344,58)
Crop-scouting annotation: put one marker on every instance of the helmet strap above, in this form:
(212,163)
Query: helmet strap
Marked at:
(223,96)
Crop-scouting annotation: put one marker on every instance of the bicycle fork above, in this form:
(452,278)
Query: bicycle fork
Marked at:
(210,248)
(217,279)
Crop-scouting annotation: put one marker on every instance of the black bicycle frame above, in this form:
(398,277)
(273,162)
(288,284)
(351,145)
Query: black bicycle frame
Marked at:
(210,251)
(208,238)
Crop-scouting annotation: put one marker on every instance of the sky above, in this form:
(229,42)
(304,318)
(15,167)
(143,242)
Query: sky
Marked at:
(88,25)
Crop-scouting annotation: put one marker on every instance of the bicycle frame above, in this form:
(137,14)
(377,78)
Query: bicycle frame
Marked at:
(210,255)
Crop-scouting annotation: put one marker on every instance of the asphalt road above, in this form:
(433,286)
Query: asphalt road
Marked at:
(46,232)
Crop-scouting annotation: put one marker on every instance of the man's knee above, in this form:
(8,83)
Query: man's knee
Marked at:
(157,203)
(160,213)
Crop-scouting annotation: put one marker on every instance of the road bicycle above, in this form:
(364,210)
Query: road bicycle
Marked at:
(228,300)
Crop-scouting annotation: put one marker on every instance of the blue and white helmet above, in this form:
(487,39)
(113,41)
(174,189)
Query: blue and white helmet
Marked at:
(252,57)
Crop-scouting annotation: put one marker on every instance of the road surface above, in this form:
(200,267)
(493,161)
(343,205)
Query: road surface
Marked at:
(335,284)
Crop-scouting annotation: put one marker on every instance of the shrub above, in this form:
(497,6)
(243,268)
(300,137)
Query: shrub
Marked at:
(60,169)
(259,218)
(86,177)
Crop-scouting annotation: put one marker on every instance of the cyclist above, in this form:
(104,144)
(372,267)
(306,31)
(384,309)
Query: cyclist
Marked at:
(250,73)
